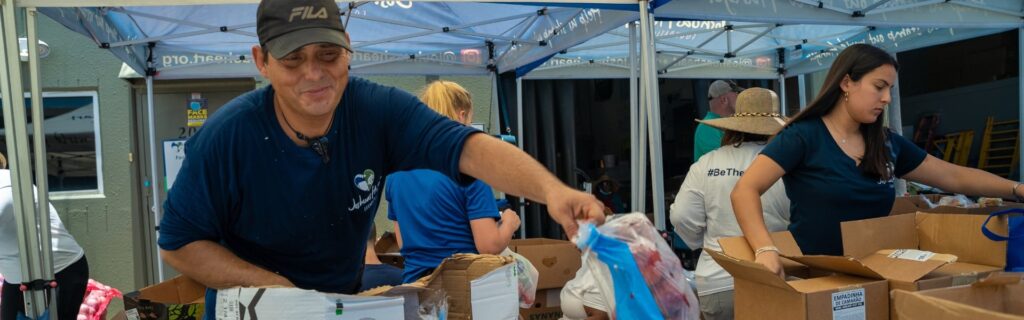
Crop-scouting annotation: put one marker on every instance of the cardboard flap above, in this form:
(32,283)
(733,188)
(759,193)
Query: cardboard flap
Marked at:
(901,269)
(845,265)
(865,237)
(179,290)
(737,247)
(749,270)
(1000,279)
(960,235)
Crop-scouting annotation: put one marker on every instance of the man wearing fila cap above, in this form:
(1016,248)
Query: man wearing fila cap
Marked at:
(281,185)
(722,103)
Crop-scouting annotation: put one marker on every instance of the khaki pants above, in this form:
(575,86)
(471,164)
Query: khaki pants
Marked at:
(716,306)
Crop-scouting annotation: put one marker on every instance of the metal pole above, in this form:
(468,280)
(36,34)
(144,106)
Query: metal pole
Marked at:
(634,140)
(802,87)
(782,93)
(42,204)
(1020,90)
(647,47)
(26,218)
(519,141)
(641,136)
(154,175)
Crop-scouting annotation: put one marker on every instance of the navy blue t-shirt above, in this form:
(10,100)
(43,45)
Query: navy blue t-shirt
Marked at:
(246,185)
(379,275)
(825,186)
(433,214)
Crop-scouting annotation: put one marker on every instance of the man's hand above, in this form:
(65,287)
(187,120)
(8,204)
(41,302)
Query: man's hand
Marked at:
(566,206)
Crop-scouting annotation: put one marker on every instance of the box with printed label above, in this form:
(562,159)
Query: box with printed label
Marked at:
(294,303)
(997,297)
(759,292)
(916,251)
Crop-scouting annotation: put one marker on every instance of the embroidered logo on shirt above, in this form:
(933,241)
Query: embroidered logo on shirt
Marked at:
(364,180)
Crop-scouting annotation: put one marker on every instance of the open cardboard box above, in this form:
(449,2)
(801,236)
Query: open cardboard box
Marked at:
(759,292)
(912,204)
(998,297)
(179,298)
(955,234)
(556,260)
(477,286)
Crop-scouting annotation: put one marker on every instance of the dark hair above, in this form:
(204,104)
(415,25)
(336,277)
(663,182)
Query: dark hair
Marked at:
(855,61)
(737,138)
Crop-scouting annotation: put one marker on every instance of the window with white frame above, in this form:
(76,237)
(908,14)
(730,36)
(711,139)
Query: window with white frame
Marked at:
(71,125)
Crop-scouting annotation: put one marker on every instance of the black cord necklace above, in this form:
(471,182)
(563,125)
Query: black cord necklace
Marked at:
(318,144)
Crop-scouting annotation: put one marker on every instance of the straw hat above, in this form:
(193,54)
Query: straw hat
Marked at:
(757,112)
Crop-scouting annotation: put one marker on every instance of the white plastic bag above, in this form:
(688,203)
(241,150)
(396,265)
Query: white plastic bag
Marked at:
(660,270)
(527,276)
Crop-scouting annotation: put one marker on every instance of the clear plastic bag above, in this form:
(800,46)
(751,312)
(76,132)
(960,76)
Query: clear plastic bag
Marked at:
(643,278)
(527,276)
(435,307)
(959,200)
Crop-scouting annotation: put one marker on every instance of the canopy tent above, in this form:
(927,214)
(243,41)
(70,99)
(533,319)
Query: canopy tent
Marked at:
(175,39)
(389,37)
(743,50)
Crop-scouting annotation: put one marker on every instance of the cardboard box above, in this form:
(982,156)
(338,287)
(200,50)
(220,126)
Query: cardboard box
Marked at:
(956,234)
(547,305)
(912,204)
(556,260)
(761,294)
(998,297)
(179,298)
(477,286)
(388,251)
(549,313)
(294,303)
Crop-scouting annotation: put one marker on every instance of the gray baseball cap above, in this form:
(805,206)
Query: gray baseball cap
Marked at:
(284,26)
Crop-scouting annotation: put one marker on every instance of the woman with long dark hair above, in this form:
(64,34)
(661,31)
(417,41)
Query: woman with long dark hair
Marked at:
(839,163)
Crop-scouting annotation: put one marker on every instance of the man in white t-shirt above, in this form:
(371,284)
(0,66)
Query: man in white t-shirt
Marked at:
(702,212)
(69,264)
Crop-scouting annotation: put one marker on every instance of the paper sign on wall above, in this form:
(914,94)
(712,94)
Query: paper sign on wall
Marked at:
(174,156)
(197,111)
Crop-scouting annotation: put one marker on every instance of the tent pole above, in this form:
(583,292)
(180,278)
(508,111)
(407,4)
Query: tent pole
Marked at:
(520,140)
(641,136)
(634,144)
(782,94)
(1020,89)
(42,205)
(653,112)
(154,178)
(25,213)
(802,86)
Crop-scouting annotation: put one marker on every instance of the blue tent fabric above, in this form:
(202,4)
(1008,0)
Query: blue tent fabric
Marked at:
(390,38)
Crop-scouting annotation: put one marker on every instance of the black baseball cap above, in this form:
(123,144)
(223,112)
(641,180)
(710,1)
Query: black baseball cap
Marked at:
(284,26)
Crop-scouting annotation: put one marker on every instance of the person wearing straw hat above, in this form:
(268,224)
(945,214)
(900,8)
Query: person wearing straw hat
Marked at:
(702,212)
(722,103)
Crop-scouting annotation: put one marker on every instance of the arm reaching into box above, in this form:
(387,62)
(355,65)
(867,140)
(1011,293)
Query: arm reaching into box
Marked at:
(746,203)
(508,169)
(953,178)
(214,266)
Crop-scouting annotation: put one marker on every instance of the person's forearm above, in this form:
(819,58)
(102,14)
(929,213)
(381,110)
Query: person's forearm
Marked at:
(746,204)
(506,168)
(213,265)
(975,182)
